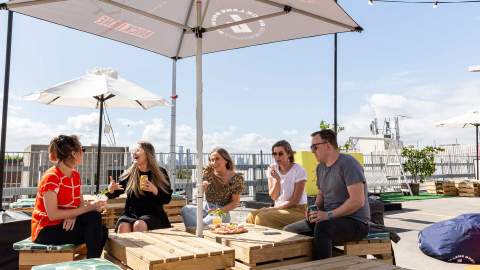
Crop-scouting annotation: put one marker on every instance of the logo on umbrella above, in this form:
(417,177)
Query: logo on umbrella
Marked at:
(242,31)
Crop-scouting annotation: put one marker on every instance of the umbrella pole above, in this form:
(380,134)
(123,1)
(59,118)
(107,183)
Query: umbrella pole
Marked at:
(476,157)
(199,119)
(173,123)
(335,120)
(99,152)
(6,88)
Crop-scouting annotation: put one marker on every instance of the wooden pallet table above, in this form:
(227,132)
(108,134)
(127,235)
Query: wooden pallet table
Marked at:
(167,249)
(255,250)
(340,263)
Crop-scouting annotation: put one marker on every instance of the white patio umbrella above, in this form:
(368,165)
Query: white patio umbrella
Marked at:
(97,89)
(470,119)
(170,28)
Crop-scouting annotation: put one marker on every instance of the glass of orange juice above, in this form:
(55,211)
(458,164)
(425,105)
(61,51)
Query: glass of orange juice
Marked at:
(216,220)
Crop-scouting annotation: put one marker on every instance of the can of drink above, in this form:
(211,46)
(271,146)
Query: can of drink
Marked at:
(143,181)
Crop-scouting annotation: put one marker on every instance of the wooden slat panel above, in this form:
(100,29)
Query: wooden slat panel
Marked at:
(368,248)
(36,258)
(120,246)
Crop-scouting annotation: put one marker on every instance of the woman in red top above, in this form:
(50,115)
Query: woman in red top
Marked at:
(60,215)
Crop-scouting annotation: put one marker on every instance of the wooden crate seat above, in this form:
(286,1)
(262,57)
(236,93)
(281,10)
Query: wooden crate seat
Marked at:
(32,254)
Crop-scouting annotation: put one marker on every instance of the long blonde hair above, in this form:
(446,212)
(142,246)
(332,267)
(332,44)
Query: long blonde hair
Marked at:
(133,173)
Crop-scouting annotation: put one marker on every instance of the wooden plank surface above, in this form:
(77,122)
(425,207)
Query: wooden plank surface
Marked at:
(340,263)
(255,247)
(168,249)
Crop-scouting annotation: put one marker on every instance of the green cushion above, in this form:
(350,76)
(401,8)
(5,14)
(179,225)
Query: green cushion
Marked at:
(27,244)
(378,236)
(88,264)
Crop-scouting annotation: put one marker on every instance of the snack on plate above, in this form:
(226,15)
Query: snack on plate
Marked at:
(228,228)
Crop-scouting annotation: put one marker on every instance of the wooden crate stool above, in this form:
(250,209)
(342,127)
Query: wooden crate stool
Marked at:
(31,254)
(174,207)
(86,264)
(377,245)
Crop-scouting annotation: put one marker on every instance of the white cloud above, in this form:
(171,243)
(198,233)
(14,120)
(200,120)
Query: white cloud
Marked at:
(422,113)
(129,123)
(83,122)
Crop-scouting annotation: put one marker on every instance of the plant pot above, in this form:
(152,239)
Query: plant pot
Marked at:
(415,188)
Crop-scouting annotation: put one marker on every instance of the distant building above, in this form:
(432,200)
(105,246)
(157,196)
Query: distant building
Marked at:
(114,160)
(180,155)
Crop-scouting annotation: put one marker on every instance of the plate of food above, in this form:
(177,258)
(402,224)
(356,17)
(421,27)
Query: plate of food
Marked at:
(228,228)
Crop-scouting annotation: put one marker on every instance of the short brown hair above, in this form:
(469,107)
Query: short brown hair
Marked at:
(327,135)
(288,148)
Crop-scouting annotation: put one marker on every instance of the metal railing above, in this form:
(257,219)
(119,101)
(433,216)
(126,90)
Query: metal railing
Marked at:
(24,169)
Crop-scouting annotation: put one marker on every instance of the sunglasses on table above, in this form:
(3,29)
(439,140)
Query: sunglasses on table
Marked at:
(314,146)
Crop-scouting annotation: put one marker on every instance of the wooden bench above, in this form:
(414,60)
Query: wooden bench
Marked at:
(116,207)
(340,262)
(377,245)
(168,249)
(255,250)
(31,254)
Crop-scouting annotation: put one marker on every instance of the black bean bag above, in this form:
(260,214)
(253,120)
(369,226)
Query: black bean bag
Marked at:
(454,240)
(14,226)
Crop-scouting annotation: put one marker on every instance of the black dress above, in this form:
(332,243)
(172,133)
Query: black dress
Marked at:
(148,207)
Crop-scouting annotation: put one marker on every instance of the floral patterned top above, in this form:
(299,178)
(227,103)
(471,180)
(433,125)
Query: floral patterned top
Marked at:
(217,191)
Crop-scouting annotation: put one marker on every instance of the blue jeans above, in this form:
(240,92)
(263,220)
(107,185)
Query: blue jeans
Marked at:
(189,214)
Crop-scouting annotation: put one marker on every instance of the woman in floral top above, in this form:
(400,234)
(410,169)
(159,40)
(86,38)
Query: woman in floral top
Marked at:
(222,186)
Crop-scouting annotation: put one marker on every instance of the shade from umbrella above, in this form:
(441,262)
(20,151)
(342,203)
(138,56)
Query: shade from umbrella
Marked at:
(183,28)
(470,119)
(98,88)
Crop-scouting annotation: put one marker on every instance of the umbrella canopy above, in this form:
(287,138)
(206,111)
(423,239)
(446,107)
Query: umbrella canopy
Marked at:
(98,84)
(97,89)
(470,119)
(167,26)
(183,28)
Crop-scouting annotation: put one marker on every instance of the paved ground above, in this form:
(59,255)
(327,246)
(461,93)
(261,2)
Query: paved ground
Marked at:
(415,216)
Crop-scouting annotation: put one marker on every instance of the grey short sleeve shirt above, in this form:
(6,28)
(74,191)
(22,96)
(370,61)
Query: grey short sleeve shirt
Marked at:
(334,180)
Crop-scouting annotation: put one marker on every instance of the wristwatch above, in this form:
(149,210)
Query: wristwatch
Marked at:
(330,215)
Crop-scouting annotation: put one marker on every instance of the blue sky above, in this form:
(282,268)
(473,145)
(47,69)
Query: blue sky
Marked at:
(410,60)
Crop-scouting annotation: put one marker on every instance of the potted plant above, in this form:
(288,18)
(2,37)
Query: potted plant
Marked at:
(420,163)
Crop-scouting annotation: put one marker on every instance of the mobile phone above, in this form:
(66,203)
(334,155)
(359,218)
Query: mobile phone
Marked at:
(268,232)
(312,208)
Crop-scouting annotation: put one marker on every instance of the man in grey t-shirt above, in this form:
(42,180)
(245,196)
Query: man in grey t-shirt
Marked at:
(344,212)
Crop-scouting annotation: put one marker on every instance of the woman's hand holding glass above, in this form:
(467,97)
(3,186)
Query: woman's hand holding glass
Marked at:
(98,205)
(274,173)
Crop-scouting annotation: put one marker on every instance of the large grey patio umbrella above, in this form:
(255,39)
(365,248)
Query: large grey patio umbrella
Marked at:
(470,119)
(183,28)
(98,89)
